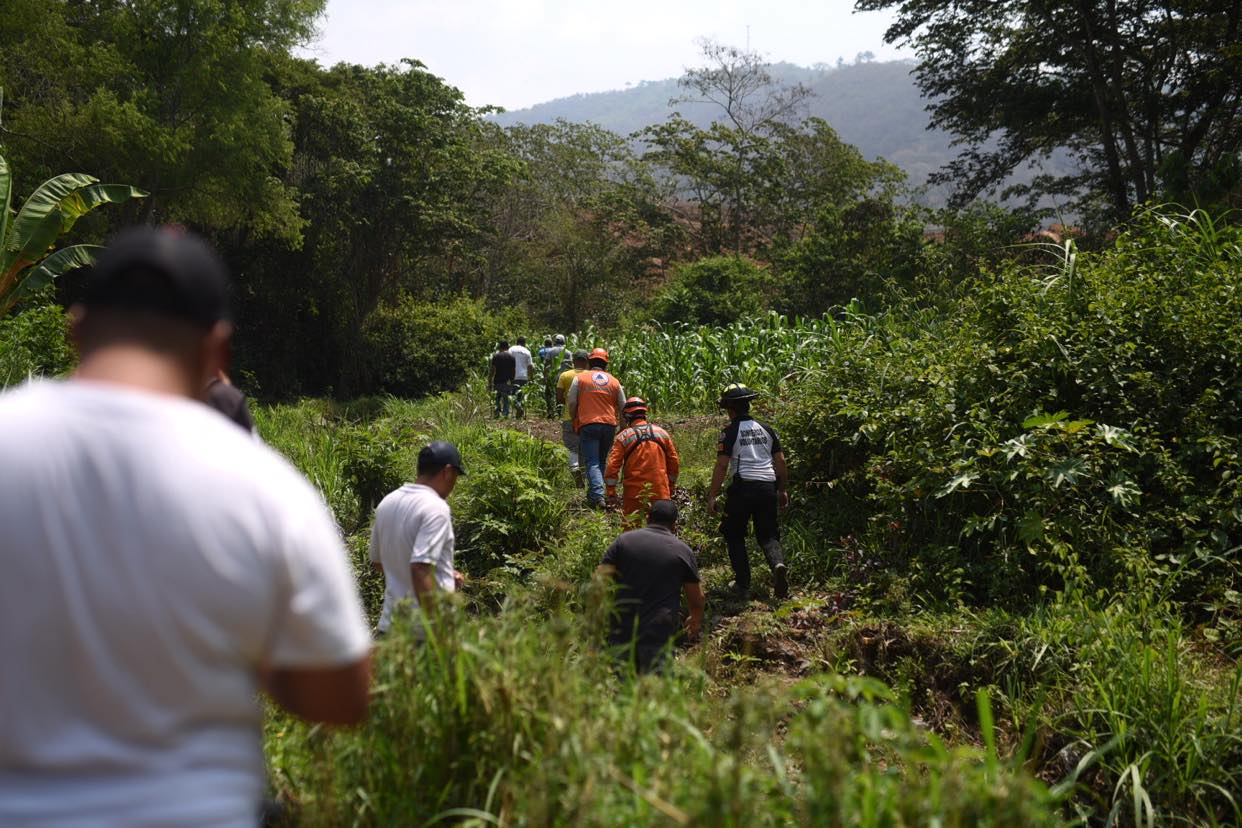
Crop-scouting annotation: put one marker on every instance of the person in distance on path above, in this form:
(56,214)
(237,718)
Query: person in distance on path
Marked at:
(550,357)
(594,403)
(568,435)
(412,539)
(523,367)
(751,453)
(500,378)
(652,567)
(160,568)
(644,457)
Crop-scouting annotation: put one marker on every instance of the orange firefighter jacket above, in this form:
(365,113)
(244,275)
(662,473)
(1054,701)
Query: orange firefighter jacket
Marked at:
(645,454)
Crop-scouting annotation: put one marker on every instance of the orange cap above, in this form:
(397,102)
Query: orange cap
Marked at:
(599,353)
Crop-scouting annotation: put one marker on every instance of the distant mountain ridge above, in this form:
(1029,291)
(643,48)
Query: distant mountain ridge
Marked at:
(875,106)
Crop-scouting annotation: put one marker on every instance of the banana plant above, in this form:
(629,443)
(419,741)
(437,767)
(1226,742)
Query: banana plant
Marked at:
(27,260)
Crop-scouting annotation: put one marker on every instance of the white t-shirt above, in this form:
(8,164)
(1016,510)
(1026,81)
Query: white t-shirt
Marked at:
(413,525)
(521,355)
(152,557)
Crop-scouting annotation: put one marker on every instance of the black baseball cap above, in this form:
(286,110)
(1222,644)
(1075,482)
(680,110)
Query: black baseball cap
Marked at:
(166,270)
(438,454)
(582,355)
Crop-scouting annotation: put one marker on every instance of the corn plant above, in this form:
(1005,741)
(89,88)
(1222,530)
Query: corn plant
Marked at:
(684,367)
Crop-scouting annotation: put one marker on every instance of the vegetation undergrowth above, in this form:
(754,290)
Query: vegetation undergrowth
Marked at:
(964,532)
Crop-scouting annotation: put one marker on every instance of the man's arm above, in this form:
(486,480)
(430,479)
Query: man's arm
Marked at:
(696,602)
(782,479)
(673,464)
(423,577)
(571,399)
(718,476)
(330,695)
(612,472)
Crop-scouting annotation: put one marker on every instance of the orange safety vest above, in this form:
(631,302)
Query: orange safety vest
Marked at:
(599,398)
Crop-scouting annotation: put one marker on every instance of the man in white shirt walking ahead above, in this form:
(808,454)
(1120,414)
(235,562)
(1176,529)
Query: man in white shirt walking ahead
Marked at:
(412,539)
(160,568)
(523,368)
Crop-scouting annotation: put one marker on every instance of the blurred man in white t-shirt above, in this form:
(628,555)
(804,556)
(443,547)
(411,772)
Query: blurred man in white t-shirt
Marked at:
(524,365)
(161,567)
(412,539)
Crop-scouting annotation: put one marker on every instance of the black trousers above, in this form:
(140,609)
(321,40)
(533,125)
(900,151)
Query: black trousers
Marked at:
(749,501)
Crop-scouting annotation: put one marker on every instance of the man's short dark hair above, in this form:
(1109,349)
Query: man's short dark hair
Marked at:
(521,340)
(663,513)
(601,364)
(503,345)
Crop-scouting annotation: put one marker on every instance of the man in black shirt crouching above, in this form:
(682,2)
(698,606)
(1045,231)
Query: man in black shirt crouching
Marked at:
(652,568)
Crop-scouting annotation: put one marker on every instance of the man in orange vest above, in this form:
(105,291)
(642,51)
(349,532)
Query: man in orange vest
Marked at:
(594,404)
(644,455)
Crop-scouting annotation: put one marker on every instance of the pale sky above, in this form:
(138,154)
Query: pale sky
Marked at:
(515,53)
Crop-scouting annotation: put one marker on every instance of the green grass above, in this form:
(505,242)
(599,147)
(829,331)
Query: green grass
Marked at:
(518,718)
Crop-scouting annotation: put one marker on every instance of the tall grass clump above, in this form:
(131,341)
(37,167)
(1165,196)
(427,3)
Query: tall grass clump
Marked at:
(1156,720)
(520,719)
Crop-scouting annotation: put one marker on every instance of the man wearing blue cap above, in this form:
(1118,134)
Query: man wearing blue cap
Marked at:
(412,539)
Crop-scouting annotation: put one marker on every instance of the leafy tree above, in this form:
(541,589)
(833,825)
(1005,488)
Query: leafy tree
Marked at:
(27,262)
(419,348)
(756,177)
(853,250)
(396,178)
(1143,93)
(581,227)
(712,291)
(171,95)
(725,167)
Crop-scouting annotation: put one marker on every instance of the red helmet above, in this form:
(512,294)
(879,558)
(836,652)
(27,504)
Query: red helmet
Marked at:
(599,353)
(634,407)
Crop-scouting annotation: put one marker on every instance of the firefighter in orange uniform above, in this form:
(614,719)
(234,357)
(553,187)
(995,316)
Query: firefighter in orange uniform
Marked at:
(644,457)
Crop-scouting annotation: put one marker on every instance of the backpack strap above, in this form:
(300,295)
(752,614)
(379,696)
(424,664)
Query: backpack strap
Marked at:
(646,434)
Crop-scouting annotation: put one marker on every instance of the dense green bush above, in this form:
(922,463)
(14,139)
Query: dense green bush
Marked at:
(1076,423)
(713,291)
(851,252)
(377,460)
(508,505)
(35,342)
(416,349)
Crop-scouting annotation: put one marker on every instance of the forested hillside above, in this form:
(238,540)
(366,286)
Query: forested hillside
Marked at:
(874,105)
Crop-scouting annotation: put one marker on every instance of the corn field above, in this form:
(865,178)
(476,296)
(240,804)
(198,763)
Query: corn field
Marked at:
(683,367)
